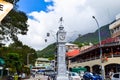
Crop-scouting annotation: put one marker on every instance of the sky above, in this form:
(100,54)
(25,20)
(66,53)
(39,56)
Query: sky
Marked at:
(44,15)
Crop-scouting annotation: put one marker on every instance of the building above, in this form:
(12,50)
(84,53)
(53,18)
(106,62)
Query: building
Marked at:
(42,63)
(70,47)
(115,27)
(90,58)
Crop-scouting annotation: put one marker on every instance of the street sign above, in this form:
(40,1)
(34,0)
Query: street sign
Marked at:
(5,7)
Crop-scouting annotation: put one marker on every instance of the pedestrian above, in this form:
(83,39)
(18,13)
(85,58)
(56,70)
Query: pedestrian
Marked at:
(33,74)
(16,76)
(23,75)
(111,73)
(48,78)
(19,76)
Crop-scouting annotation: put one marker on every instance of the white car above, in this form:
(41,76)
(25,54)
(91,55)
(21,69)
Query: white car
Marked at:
(116,76)
(74,76)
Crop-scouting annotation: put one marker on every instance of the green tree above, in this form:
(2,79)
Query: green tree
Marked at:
(23,51)
(12,1)
(14,61)
(13,24)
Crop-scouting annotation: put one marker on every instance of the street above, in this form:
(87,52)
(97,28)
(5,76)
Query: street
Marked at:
(38,77)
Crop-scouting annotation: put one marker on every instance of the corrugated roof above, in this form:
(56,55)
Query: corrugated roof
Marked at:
(73,53)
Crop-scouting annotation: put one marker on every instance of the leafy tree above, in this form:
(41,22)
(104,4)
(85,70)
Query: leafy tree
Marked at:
(23,51)
(13,24)
(19,48)
(14,61)
(12,1)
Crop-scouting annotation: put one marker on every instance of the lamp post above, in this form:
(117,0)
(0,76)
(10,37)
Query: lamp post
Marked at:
(99,35)
(28,57)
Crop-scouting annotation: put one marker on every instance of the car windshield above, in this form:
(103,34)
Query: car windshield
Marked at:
(73,74)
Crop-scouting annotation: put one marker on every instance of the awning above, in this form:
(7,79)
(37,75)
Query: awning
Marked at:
(79,69)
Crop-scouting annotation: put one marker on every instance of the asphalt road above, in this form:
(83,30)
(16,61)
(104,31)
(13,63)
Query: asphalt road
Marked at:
(38,77)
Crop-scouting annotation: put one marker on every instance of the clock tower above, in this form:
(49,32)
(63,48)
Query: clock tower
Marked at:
(61,35)
(61,51)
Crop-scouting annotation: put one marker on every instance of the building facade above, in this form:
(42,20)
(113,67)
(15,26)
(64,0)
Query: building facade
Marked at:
(115,27)
(90,57)
(42,63)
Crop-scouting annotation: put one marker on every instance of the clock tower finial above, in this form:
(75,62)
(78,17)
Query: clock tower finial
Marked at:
(61,20)
(61,26)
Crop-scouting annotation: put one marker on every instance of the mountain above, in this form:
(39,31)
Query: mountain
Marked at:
(47,52)
(93,37)
(50,50)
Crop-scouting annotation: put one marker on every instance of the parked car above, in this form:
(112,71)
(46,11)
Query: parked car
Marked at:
(116,76)
(74,76)
(91,76)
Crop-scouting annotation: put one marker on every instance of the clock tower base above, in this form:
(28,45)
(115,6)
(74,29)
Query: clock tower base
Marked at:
(62,78)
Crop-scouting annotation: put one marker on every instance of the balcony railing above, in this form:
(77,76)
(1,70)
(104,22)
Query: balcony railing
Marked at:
(93,58)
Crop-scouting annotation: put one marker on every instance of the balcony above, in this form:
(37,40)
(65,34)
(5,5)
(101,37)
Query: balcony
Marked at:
(95,60)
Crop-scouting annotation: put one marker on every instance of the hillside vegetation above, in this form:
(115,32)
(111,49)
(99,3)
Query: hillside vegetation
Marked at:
(93,37)
(48,52)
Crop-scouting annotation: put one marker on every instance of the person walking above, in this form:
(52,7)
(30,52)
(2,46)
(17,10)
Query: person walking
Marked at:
(111,73)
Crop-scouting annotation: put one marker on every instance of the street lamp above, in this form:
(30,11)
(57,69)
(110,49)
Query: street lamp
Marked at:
(28,57)
(99,35)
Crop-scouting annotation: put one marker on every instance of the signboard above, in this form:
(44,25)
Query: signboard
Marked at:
(5,7)
(2,62)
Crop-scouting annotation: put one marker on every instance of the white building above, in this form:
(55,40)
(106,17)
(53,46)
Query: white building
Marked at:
(115,27)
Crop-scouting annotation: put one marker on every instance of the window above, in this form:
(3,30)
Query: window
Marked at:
(116,75)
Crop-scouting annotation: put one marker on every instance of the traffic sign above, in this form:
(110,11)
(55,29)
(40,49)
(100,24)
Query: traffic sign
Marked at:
(5,7)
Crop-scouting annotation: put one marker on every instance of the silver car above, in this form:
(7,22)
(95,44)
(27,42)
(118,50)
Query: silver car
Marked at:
(74,76)
(116,76)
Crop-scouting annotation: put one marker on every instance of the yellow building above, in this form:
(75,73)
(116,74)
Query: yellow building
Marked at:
(42,63)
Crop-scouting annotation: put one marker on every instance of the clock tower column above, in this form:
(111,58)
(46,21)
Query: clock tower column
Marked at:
(61,51)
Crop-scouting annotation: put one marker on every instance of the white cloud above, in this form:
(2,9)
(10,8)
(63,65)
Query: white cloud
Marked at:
(77,15)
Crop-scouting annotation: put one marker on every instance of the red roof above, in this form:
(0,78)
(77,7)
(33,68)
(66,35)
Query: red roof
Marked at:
(73,53)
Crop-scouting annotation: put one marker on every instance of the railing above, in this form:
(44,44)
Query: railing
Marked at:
(116,55)
(93,58)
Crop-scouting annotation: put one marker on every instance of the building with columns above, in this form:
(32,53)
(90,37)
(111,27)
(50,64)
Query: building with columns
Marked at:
(90,57)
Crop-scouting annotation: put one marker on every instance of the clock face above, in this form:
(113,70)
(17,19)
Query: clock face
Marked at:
(62,37)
